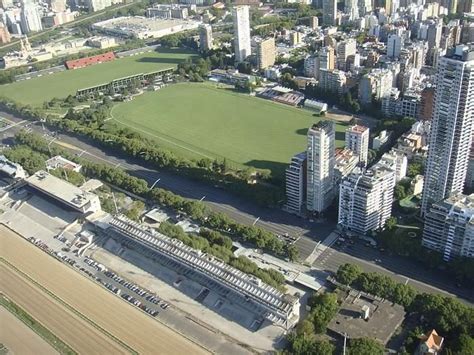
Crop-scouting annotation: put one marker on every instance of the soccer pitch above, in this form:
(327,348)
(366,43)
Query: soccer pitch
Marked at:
(38,90)
(201,120)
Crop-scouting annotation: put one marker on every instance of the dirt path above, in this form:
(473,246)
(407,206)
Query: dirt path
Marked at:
(139,331)
(19,338)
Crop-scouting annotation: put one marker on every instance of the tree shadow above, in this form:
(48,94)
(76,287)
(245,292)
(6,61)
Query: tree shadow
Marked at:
(302,131)
(340,136)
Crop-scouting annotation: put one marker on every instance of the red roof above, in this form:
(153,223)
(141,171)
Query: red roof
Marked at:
(84,62)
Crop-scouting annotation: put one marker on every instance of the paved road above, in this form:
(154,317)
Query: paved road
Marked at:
(244,212)
(401,270)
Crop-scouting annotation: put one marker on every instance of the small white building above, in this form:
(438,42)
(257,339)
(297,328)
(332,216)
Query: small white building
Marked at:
(12,170)
(317,106)
(380,140)
(60,162)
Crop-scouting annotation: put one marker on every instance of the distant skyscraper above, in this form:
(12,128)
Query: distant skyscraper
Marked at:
(295,176)
(320,166)
(241,32)
(266,53)
(30,17)
(357,140)
(329,12)
(394,46)
(451,127)
(351,8)
(205,37)
(365,199)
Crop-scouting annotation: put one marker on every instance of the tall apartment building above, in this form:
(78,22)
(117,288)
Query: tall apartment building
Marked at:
(205,37)
(332,81)
(241,19)
(4,34)
(365,199)
(320,166)
(330,12)
(351,8)
(449,226)
(30,17)
(295,176)
(266,53)
(451,127)
(344,50)
(323,59)
(376,84)
(357,140)
(394,46)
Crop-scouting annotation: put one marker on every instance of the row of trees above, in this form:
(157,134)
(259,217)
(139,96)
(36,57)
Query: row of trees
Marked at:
(195,210)
(130,143)
(209,241)
(448,316)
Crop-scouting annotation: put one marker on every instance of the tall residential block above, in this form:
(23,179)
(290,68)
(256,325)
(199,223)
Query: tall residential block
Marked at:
(205,37)
(365,199)
(266,53)
(394,46)
(344,50)
(320,166)
(241,19)
(451,127)
(449,227)
(295,176)
(330,12)
(30,17)
(357,140)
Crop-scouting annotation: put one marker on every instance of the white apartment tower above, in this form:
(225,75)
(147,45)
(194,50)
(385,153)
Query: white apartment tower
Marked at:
(344,50)
(205,37)
(451,127)
(365,199)
(320,166)
(242,46)
(449,227)
(30,17)
(295,176)
(394,46)
(352,9)
(357,140)
(330,12)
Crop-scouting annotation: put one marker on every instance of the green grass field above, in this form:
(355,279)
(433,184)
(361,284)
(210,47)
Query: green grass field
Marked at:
(38,90)
(200,120)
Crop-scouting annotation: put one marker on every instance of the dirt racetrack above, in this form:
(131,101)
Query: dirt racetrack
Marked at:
(19,338)
(74,331)
(139,331)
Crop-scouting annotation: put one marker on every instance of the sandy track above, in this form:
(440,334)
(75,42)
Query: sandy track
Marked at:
(19,338)
(137,330)
(81,336)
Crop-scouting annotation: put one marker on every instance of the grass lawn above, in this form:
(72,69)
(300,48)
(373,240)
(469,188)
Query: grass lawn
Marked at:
(200,120)
(36,91)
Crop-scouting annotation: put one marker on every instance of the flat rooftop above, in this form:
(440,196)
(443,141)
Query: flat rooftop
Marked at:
(384,317)
(139,24)
(60,189)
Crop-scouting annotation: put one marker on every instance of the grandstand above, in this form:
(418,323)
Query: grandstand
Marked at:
(248,291)
(116,85)
(85,62)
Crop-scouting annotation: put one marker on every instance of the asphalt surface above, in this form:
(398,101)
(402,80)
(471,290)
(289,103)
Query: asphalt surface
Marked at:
(371,259)
(273,220)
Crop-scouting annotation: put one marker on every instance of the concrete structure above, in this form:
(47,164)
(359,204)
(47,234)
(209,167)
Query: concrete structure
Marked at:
(394,46)
(241,19)
(330,12)
(365,199)
(205,38)
(323,59)
(451,127)
(266,53)
(449,226)
(60,162)
(379,141)
(346,162)
(357,140)
(30,17)
(168,11)
(375,85)
(417,185)
(396,161)
(344,50)
(249,291)
(97,5)
(4,34)
(64,192)
(11,169)
(320,169)
(143,27)
(317,106)
(333,81)
(295,178)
